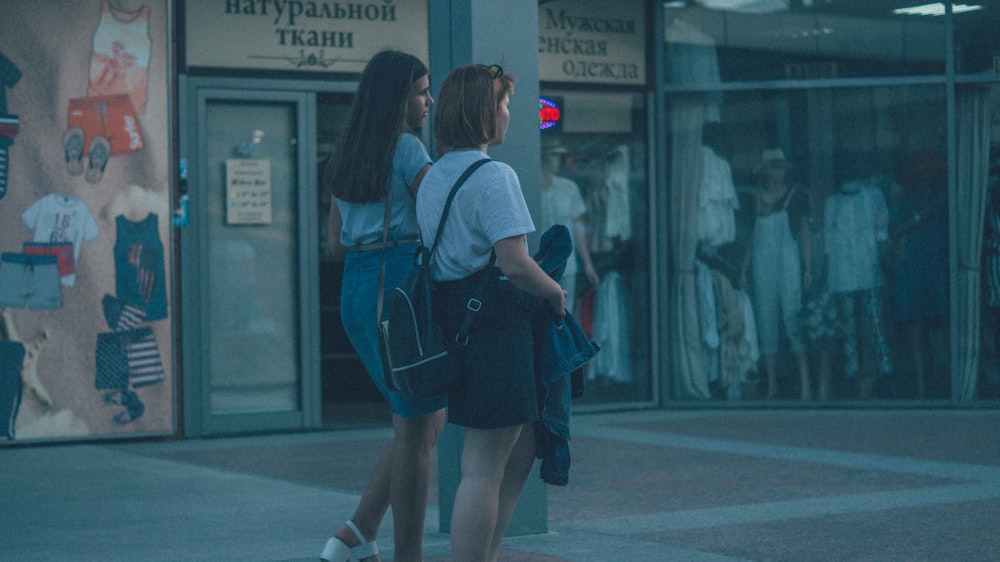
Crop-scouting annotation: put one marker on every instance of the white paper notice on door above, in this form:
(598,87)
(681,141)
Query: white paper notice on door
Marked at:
(248,191)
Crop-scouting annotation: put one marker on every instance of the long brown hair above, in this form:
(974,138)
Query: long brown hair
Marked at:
(358,171)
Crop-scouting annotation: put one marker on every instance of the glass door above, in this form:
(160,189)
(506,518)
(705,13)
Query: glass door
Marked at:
(248,290)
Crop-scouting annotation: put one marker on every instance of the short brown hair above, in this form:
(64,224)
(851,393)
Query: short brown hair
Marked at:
(466,114)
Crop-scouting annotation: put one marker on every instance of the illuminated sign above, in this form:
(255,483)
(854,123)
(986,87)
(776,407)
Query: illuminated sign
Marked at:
(548,113)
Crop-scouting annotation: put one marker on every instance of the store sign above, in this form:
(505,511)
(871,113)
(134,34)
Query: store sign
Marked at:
(592,41)
(293,35)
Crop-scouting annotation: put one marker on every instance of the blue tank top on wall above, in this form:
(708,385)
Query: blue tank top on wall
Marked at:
(139,269)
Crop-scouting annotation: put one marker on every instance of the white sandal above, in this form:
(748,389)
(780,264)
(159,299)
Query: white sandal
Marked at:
(337,550)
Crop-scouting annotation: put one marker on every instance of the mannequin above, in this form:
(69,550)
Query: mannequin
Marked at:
(856,219)
(780,258)
(563,204)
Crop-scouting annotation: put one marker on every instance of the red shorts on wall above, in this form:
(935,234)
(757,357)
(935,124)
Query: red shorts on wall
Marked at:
(63,251)
(112,117)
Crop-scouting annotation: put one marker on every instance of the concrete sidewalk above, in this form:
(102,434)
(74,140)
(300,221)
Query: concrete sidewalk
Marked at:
(699,485)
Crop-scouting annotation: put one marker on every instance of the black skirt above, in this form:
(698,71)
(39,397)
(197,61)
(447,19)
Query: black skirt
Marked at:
(497,388)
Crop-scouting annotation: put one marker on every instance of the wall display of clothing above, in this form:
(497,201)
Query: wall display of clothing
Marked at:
(85,344)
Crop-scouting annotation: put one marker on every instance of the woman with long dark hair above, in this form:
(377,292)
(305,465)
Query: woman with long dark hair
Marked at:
(379,161)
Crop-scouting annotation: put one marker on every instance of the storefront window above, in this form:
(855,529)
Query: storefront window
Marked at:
(594,182)
(824,247)
(817,223)
(734,40)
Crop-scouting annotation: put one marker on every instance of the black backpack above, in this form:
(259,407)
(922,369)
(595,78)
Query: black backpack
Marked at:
(415,360)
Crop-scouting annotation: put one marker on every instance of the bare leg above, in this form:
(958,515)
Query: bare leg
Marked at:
(522,458)
(413,444)
(374,502)
(405,483)
(485,456)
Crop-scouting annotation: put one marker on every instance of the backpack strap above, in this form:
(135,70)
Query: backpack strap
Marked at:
(385,232)
(451,195)
(475,302)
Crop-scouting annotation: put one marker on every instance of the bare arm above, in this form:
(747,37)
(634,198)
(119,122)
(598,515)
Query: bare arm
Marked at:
(517,265)
(415,186)
(334,222)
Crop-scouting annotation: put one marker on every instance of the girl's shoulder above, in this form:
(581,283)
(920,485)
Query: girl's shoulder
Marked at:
(408,142)
(498,168)
(456,162)
(409,137)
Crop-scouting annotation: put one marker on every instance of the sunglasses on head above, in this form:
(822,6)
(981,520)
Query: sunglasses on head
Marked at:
(496,71)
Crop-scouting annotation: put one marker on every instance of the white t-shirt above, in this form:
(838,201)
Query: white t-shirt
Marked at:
(362,222)
(61,218)
(488,208)
(855,225)
(562,204)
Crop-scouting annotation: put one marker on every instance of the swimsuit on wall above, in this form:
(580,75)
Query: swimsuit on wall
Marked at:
(119,61)
(28,281)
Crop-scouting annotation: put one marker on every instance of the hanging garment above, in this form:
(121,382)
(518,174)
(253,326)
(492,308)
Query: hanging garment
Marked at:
(119,62)
(611,331)
(11,385)
(717,200)
(561,352)
(855,224)
(618,222)
(10,75)
(707,314)
(129,358)
(9,126)
(730,320)
(121,315)
(139,266)
(748,350)
(28,281)
(57,218)
(106,126)
(871,307)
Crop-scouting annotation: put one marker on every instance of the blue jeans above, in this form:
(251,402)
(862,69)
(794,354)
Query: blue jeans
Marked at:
(358,302)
